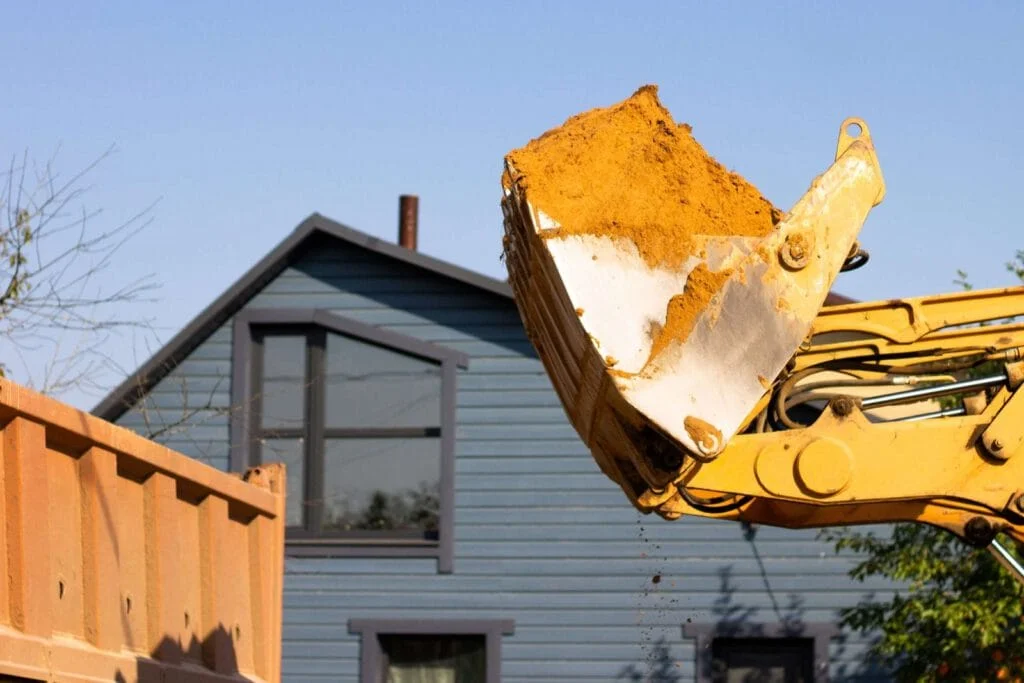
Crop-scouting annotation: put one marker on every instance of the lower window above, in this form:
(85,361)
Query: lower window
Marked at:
(443,651)
(762,660)
(750,652)
(432,658)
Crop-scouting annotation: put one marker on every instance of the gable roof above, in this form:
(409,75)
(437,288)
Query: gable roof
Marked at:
(136,385)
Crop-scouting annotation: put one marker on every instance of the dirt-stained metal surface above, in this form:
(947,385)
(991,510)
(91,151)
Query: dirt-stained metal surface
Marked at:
(129,562)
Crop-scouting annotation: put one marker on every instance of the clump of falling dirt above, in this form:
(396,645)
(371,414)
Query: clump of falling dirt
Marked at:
(655,651)
(629,170)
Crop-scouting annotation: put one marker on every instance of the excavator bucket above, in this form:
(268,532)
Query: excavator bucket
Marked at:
(664,295)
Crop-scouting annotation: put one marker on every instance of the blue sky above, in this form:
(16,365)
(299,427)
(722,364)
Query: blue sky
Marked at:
(244,117)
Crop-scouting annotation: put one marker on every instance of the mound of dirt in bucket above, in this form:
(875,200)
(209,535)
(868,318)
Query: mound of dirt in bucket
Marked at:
(630,171)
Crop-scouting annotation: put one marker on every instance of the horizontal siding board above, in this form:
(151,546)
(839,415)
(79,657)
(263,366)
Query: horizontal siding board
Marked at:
(611,497)
(542,536)
(302,666)
(632,566)
(183,400)
(407,300)
(477,379)
(628,651)
(347,649)
(293,281)
(726,549)
(507,432)
(414,569)
(683,603)
(387,317)
(506,364)
(622,517)
(635,585)
(533,415)
(212,351)
(515,449)
(549,618)
(628,567)
(178,417)
(205,368)
(508,399)
(557,530)
(536,482)
(175,384)
(509,464)
(468,332)
(490,349)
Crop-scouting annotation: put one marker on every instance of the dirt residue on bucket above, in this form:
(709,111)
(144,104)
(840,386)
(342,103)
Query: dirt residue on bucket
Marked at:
(684,309)
(629,170)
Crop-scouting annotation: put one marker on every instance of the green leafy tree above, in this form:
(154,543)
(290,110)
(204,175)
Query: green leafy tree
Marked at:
(380,513)
(959,615)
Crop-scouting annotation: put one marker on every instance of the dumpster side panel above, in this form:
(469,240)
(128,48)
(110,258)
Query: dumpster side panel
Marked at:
(129,562)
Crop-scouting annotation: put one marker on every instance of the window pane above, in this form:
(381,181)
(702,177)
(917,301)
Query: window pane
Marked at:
(433,659)
(370,386)
(763,660)
(763,672)
(283,396)
(381,484)
(290,452)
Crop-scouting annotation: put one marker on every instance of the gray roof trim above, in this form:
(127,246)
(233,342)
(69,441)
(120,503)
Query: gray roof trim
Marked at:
(118,401)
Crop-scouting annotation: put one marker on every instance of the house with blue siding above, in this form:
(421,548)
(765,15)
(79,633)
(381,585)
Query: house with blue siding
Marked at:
(445,522)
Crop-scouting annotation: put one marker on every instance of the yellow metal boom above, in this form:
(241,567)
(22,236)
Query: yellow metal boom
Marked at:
(961,469)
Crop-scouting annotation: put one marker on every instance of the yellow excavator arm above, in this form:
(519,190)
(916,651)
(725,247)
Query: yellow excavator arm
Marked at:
(708,378)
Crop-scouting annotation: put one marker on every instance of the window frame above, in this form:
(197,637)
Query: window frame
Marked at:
(246,361)
(706,633)
(371,655)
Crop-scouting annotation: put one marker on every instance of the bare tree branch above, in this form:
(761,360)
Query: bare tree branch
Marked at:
(56,296)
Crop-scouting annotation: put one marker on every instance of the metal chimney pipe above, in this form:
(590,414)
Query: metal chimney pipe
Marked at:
(408,210)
